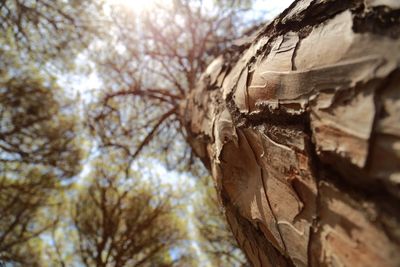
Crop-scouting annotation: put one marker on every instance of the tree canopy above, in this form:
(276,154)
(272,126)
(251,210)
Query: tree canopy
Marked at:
(123,220)
(39,148)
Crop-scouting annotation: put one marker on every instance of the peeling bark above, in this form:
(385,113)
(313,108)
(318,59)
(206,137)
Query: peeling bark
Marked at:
(300,128)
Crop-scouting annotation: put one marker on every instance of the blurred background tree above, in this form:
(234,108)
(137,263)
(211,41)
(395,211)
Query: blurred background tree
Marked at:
(49,33)
(39,148)
(123,220)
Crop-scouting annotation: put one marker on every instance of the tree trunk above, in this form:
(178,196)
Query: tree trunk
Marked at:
(300,128)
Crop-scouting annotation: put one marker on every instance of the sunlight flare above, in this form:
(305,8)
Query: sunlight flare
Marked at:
(135,5)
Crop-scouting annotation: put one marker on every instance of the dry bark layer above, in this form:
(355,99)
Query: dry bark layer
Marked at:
(300,128)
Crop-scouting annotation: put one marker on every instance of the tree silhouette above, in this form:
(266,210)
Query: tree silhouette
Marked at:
(122,220)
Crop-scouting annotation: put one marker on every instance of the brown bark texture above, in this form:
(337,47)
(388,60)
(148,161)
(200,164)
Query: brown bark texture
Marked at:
(300,127)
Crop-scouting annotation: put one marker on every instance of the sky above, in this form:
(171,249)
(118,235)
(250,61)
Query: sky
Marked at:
(272,8)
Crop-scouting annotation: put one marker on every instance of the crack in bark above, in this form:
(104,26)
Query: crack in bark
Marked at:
(294,54)
(379,20)
(272,212)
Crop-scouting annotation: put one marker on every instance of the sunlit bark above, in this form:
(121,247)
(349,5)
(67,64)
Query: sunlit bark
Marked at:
(300,130)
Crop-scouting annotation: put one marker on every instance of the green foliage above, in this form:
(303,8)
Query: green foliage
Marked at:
(124,222)
(34,131)
(20,204)
(48,31)
(38,149)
